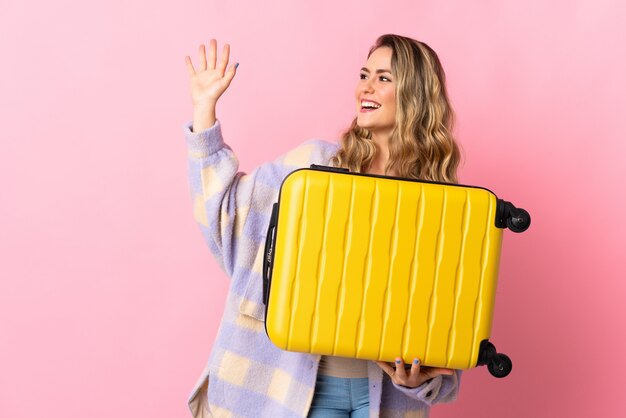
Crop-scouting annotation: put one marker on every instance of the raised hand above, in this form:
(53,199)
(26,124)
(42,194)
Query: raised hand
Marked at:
(413,377)
(208,82)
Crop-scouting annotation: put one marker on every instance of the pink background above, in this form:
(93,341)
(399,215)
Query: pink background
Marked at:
(109,299)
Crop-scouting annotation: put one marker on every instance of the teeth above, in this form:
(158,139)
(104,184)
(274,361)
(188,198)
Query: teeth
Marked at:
(370,105)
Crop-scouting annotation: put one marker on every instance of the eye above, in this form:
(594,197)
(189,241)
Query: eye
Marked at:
(363,76)
(383,78)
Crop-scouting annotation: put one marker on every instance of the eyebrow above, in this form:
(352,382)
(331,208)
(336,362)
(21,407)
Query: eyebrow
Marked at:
(377,71)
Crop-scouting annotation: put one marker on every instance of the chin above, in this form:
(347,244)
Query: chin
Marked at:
(371,127)
(364,124)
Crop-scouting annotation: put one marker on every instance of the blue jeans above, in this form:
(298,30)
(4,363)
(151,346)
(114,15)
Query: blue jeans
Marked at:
(337,397)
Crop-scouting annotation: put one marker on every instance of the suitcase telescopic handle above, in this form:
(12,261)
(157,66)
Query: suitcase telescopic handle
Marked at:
(268,255)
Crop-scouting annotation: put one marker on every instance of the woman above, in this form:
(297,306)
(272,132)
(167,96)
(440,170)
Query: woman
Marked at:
(403,128)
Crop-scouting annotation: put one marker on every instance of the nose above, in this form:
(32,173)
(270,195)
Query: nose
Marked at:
(367,86)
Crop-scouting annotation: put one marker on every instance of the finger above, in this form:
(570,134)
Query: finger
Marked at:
(202,58)
(225,57)
(400,371)
(230,74)
(212,54)
(415,367)
(386,367)
(190,68)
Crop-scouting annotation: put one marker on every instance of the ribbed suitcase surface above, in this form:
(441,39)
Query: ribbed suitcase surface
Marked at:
(376,267)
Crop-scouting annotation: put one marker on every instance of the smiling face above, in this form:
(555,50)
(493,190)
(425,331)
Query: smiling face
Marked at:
(376,95)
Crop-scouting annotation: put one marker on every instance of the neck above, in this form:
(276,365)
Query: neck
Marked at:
(382,154)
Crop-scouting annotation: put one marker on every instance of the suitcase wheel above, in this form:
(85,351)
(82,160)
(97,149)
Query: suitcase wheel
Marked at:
(519,220)
(500,365)
(508,216)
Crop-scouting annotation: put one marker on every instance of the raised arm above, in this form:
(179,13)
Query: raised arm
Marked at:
(232,208)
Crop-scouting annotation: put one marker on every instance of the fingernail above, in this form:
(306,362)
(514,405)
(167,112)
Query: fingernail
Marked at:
(416,361)
(236,65)
(398,361)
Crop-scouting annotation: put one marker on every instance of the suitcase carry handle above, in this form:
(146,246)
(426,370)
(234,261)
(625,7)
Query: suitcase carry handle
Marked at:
(329,168)
(268,255)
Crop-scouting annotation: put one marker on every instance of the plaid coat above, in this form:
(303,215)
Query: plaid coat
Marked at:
(246,375)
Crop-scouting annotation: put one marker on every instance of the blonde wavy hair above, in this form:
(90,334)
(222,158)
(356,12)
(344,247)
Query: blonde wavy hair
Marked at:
(421,145)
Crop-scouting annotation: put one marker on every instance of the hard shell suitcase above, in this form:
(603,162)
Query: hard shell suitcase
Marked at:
(376,267)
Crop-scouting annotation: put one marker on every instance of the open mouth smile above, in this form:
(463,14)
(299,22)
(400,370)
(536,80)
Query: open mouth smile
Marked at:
(369,106)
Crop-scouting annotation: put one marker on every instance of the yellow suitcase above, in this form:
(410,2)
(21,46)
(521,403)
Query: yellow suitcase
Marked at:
(376,267)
